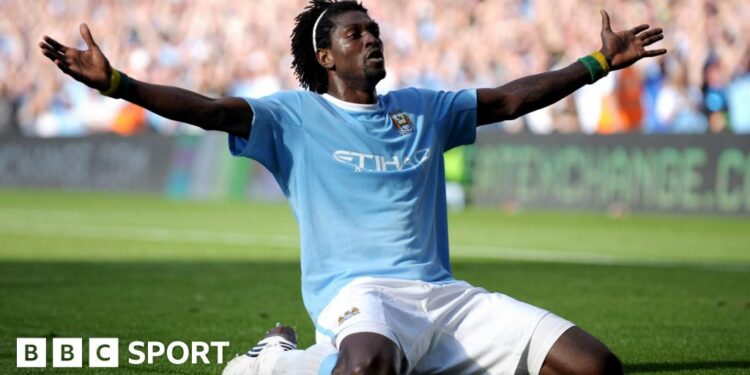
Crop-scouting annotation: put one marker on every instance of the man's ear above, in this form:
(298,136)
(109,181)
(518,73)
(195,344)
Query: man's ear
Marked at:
(325,58)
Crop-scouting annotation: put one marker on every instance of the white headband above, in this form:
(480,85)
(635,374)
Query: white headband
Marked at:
(315,30)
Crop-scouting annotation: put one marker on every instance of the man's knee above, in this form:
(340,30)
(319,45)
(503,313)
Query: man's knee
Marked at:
(365,365)
(577,352)
(368,353)
(601,363)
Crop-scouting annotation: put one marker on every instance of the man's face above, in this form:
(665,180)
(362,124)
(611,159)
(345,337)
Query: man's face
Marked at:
(356,48)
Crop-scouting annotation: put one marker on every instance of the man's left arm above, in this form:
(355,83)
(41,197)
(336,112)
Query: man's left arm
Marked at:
(528,94)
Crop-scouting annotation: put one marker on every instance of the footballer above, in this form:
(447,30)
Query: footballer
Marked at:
(363,173)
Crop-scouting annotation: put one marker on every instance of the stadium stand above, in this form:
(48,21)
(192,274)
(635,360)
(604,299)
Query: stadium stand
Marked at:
(242,48)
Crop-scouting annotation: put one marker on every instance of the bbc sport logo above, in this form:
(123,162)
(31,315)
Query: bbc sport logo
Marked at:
(105,352)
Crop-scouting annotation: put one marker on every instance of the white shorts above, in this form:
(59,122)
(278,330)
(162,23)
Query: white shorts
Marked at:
(445,328)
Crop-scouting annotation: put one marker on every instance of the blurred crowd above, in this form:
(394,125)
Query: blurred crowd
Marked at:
(241,48)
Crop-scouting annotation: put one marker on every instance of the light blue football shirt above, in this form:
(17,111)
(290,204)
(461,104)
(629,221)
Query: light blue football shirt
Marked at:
(365,183)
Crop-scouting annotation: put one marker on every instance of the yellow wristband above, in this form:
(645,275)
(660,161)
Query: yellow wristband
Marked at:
(114,83)
(599,57)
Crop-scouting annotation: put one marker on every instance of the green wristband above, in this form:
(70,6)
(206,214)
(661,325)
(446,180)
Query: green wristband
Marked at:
(595,69)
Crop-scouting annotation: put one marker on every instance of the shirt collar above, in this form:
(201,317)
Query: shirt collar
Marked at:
(351,107)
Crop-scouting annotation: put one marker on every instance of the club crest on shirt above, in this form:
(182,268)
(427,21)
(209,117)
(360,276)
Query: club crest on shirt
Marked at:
(402,122)
(348,314)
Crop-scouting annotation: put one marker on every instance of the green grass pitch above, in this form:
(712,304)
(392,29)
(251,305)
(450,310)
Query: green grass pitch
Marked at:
(670,295)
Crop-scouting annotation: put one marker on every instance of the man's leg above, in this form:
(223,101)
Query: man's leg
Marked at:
(577,352)
(368,353)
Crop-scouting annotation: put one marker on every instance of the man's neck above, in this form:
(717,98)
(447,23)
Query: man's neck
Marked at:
(367,95)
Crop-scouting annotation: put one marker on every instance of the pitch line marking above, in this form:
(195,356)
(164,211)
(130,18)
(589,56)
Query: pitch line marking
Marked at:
(192,236)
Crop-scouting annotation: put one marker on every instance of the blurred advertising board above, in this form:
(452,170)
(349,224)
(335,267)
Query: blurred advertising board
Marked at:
(646,173)
(651,173)
(101,162)
(186,166)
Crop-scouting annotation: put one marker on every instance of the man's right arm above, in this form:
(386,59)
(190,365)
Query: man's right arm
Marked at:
(90,67)
(231,115)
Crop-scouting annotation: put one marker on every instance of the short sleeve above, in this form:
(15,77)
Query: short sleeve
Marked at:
(455,114)
(275,134)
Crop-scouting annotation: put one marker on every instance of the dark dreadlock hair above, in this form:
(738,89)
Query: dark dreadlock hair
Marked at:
(310,74)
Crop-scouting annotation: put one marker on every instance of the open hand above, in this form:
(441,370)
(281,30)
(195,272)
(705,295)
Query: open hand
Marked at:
(624,48)
(89,67)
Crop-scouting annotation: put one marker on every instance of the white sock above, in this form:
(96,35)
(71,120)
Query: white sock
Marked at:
(299,362)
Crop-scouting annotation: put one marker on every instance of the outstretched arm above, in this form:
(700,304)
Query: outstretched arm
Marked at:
(528,94)
(91,67)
